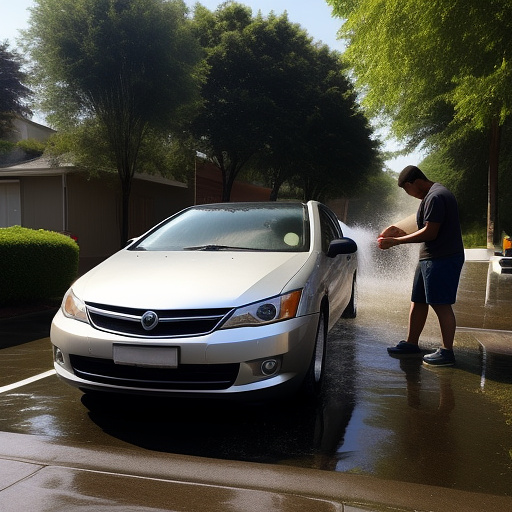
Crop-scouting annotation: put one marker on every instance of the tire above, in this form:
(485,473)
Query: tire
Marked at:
(313,381)
(351,309)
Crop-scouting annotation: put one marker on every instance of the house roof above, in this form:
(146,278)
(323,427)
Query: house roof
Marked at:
(42,167)
(37,167)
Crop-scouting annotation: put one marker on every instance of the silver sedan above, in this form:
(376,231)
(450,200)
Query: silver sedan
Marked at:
(231,300)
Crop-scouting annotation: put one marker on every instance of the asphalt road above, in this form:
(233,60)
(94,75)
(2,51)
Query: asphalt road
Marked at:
(382,417)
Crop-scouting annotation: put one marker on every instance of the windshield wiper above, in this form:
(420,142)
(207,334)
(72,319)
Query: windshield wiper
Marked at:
(213,247)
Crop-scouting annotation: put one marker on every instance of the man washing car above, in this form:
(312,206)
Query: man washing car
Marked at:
(440,263)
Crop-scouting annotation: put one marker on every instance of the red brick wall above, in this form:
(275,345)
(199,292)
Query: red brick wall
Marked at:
(209,187)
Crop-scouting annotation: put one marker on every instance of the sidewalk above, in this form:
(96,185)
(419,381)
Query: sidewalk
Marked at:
(37,475)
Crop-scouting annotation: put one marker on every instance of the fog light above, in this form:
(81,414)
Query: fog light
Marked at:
(269,367)
(265,368)
(58,356)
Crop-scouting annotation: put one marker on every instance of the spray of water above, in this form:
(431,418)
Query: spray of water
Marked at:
(394,266)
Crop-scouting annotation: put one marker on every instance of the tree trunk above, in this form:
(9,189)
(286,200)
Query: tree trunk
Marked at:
(227,185)
(125,209)
(274,192)
(228,179)
(493,234)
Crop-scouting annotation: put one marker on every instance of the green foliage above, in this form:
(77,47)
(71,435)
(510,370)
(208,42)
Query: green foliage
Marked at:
(14,152)
(6,147)
(463,167)
(438,72)
(32,147)
(87,147)
(474,236)
(170,157)
(276,102)
(430,65)
(13,93)
(375,201)
(37,265)
(122,62)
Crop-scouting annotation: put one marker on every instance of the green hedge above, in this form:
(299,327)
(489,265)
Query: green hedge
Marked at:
(35,265)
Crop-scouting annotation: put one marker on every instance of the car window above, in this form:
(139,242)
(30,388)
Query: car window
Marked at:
(235,226)
(330,229)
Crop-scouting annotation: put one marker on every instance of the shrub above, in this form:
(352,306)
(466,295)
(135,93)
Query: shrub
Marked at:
(474,235)
(32,147)
(36,265)
(6,147)
(13,153)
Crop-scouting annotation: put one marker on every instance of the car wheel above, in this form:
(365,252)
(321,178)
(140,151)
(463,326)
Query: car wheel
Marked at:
(351,309)
(314,378)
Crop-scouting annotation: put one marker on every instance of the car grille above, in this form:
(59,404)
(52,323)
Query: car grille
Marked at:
(171,323)
(185,377)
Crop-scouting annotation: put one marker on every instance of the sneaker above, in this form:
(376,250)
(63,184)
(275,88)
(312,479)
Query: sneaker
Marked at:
(441,357)
(404,348)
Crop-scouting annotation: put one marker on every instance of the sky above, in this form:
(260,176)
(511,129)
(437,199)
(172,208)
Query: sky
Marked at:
(315,16)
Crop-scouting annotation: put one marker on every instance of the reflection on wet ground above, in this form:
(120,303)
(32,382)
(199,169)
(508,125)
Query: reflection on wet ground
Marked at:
(434,426)
(390,418)
(485,298)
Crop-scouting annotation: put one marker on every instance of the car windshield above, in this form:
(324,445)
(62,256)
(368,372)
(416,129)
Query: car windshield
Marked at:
(234,226)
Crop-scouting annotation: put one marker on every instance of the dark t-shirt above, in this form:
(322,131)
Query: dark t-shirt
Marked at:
(440,205)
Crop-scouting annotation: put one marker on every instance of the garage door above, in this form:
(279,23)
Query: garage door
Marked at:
(10,204)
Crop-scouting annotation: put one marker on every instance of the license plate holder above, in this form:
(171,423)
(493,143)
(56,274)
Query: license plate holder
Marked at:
(146,355)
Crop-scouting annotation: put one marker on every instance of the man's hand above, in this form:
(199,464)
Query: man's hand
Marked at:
(386,242)
(392,231)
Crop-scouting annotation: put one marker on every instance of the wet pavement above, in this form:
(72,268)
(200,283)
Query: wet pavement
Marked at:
(389,433)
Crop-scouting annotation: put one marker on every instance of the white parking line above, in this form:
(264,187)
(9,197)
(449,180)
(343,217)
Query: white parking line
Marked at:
(24,382)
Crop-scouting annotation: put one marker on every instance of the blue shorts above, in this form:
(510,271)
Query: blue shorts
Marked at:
(436,280)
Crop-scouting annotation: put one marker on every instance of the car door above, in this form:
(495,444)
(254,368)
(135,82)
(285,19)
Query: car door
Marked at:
(338,271)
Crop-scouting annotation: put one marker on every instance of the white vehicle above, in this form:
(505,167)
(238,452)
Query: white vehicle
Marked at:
(231,299)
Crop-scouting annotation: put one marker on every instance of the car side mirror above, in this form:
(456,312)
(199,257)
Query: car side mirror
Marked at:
(341,246)
(131,241)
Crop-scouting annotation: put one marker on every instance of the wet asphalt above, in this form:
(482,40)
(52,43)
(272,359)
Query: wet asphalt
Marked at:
(390,419)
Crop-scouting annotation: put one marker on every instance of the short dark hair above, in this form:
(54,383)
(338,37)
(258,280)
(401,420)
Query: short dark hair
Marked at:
(410,174)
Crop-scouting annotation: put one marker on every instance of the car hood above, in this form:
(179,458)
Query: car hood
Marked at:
(179,280)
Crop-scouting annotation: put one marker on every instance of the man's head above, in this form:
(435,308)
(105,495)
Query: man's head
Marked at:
(414,182)
(410,174)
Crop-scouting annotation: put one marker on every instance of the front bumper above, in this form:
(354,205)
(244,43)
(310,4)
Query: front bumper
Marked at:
(290,341)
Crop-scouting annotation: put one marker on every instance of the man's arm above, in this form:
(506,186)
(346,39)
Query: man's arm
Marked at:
(427,233)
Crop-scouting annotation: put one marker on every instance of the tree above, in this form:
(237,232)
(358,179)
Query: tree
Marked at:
(435,69)
(124,69)
(267,100)
(255,73)
(341,151)
(13,92)
(328,149)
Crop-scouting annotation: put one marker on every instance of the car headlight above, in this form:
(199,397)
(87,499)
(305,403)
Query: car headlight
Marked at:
(73,307)
(266,311)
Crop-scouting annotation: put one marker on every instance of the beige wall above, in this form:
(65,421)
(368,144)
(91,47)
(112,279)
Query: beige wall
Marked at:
(92,214)
(95,206)
(10,203)
(41,202)
(88,207)
(25,129)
